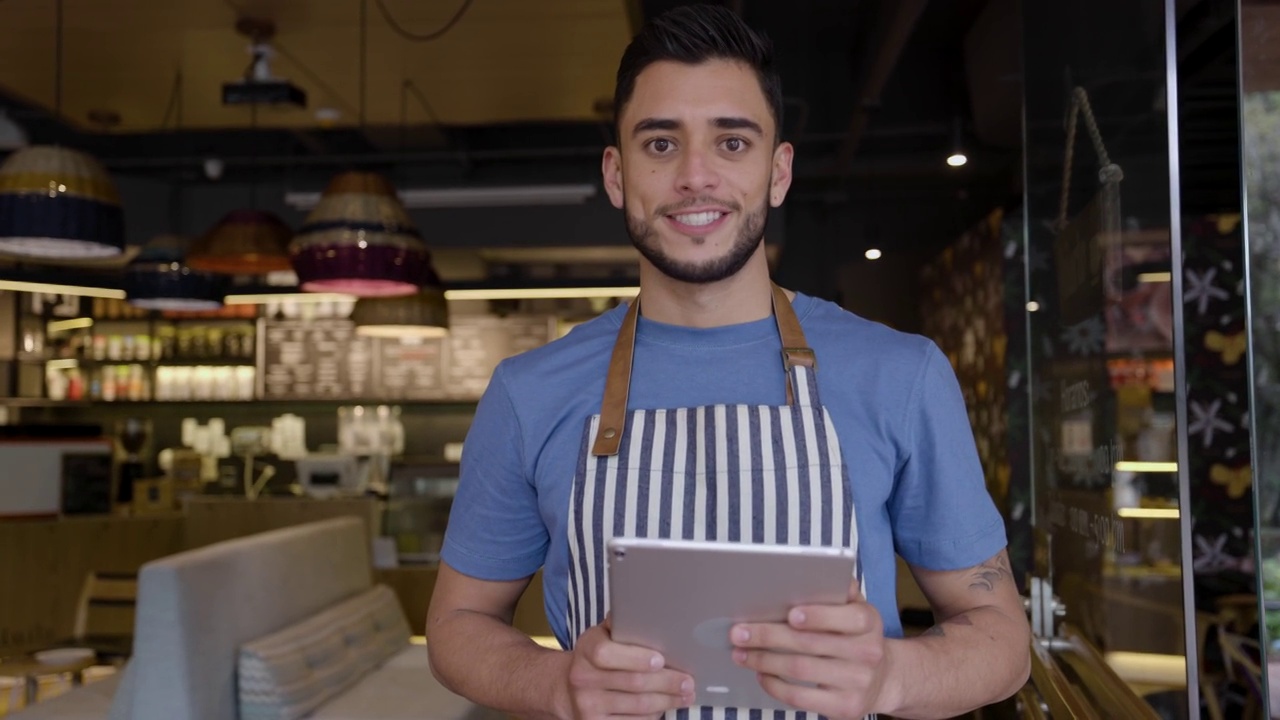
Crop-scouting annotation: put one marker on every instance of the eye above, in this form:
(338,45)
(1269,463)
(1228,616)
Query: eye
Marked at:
(660,145)
(735,144)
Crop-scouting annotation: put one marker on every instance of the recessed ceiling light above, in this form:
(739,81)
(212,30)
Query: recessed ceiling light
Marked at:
(873,254)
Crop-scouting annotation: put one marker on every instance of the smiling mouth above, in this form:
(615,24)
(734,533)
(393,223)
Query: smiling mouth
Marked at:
(698,219)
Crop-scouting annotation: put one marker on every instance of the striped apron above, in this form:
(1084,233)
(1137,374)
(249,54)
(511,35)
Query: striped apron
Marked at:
(737,473)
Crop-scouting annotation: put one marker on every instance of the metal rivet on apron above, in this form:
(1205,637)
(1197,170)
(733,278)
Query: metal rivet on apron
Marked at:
(609,433)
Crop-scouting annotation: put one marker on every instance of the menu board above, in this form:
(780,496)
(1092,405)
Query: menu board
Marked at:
(325,359)
(409,370)
(315,359)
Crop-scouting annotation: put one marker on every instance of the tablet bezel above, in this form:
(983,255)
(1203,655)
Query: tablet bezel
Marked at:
(680,597)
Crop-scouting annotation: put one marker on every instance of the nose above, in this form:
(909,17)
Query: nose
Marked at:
(697,174)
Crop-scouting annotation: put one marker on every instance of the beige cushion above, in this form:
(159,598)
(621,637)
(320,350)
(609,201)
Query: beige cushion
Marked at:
(293,671)
(403,689)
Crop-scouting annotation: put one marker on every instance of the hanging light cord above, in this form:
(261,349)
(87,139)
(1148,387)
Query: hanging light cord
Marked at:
(414,37)
(57,63)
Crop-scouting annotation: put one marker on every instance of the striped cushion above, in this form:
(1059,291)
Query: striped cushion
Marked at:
(293,671)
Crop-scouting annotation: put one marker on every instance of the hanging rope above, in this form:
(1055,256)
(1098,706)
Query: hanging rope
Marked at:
(1108,173)
(413,37)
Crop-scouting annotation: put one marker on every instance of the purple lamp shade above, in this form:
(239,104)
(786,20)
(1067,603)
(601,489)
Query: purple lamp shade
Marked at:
(360,241)
(58,203)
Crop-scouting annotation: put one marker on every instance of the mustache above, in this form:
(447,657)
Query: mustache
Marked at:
(674,208)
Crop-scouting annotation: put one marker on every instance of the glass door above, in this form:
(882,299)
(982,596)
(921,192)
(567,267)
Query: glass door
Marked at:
(1103,269)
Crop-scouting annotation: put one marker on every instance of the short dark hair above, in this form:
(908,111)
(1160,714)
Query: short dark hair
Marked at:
(693,34)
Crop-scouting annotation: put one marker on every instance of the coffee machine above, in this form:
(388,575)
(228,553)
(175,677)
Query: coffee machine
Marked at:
(131,446)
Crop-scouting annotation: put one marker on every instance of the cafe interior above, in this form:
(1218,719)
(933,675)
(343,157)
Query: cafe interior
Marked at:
(260,258)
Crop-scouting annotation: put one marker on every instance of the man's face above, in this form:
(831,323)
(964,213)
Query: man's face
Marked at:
(696,170)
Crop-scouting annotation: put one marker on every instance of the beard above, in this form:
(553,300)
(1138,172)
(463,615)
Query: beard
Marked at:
(744,245)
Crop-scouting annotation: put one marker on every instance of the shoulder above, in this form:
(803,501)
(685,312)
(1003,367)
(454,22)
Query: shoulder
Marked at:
(845,339)
(574,359)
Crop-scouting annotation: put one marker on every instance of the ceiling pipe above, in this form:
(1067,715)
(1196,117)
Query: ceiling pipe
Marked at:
(905,14)
(353,159)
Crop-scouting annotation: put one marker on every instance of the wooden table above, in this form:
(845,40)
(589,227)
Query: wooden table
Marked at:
(29,670)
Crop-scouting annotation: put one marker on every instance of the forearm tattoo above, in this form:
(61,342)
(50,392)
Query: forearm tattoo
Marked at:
(991,573)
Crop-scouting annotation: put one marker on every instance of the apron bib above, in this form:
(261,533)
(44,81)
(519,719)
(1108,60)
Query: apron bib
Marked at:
(735,473)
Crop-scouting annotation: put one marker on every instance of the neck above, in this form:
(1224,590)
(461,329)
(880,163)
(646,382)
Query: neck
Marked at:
(742,298)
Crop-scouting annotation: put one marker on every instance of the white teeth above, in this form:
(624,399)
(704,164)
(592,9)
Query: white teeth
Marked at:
(696,219)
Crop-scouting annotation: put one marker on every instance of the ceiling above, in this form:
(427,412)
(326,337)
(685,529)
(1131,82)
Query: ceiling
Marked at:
(875,91)
(160,64)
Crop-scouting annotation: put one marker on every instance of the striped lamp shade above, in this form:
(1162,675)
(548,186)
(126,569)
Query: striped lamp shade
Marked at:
(159,279)
(359,240)
(243,242)
(58,203)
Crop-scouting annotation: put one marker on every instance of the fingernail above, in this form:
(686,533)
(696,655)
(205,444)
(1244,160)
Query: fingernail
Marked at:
(655,662)
(739,656)
(686,687)
(797,617)
(740,634)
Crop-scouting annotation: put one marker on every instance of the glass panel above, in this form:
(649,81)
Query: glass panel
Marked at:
(1260,75)
(1101,335)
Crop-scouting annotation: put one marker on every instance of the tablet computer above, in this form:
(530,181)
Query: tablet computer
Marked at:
(681,597)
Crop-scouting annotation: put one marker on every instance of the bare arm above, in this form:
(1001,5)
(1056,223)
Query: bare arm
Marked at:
(476,653)
(978,653)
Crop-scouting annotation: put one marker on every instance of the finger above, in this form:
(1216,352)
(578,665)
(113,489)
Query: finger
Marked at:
(666,682)
(856,618)
(855,591)
(826,672)
(642,704)
(817,700)
(776,636)
(610,655)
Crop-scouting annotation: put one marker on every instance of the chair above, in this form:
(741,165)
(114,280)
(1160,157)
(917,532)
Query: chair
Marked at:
(105,615)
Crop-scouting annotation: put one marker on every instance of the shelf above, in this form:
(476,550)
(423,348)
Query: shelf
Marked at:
(86,362)
(39,402)
(19,402)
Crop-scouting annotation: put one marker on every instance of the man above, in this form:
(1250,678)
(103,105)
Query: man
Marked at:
(568,448)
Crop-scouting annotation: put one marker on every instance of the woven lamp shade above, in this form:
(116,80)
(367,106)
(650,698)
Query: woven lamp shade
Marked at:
(359,240)
(424,314)
(159,279)
(58,203)
(243,242)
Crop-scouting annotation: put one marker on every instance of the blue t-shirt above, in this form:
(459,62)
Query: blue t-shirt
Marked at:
(916,481)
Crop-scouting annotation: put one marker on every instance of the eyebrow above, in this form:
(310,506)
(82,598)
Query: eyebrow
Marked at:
(722,123)
(738,123)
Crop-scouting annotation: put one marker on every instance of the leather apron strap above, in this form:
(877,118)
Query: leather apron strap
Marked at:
(613,409)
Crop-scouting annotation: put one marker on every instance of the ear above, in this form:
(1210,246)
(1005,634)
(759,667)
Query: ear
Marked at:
(781,181)
(611,170)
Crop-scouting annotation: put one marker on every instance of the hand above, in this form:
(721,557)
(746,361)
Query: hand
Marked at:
(837,649)
(608,679)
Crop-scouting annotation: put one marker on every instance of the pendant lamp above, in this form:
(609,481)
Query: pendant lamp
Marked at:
(243,242)
(424,314)
(12,136)
(58,203)
(359,240)
(159,279)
